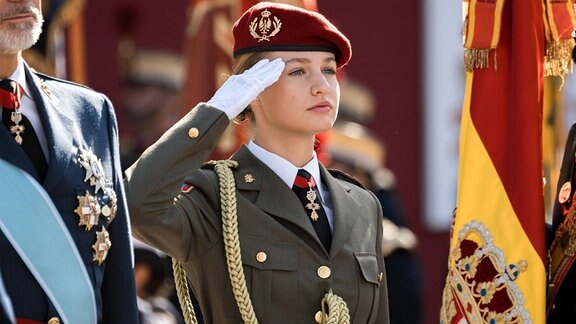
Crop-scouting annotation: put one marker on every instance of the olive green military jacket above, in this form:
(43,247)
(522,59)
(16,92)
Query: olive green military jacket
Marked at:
(287,270)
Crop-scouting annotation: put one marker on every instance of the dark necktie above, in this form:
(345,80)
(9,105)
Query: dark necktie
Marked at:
(10,95)
(306,189)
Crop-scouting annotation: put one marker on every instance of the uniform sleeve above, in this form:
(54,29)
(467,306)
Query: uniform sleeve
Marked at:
(154,181)
(118,287)
(383,311)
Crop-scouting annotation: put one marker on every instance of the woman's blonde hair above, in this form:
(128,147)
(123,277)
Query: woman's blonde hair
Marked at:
(242,63)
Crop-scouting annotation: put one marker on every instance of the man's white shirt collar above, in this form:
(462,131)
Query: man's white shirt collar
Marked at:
(20,77)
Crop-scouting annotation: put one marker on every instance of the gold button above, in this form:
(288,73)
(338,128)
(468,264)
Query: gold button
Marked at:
(261,257)
(318,317)
(380,277)
(324,272)
(193,132)
(54,320)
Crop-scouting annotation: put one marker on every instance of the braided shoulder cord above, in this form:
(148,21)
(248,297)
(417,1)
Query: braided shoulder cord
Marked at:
(183,292)
(231,239)
(334,308)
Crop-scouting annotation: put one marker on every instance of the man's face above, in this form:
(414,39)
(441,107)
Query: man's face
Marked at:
(20,25)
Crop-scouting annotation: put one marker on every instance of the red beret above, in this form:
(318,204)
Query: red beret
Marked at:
(269,26)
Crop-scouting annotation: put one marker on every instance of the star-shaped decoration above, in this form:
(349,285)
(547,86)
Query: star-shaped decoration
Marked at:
(88,210)
(101,246)
(94,169)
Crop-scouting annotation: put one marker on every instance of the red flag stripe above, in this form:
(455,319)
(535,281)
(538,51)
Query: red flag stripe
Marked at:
(511,128)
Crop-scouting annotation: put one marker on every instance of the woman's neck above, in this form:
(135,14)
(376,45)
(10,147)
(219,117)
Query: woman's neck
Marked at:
(297,150)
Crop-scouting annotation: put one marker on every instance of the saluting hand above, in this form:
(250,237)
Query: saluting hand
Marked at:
(241,89)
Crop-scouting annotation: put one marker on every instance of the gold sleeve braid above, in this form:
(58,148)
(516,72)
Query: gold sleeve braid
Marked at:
(334,309)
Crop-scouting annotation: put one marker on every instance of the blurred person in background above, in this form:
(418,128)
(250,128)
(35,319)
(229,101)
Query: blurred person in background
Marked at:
(153,286)
(149,100)
(354,149)
(151,84)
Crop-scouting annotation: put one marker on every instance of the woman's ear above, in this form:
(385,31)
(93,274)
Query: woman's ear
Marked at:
(256,103)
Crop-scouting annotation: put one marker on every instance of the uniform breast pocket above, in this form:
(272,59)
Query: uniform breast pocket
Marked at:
(369,285)
(271,276)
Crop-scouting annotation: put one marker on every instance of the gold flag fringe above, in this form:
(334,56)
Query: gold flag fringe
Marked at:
(558,59)
(476,58)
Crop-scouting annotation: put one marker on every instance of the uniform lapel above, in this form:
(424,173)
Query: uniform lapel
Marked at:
(58,128)
(273,195)
(345,209)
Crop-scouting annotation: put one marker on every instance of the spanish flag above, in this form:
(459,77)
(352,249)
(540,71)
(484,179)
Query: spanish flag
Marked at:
(496,271)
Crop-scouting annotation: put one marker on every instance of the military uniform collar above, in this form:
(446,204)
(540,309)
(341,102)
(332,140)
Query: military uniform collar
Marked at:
(282,167)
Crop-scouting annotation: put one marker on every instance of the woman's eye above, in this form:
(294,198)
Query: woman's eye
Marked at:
(296,72)
(329,71)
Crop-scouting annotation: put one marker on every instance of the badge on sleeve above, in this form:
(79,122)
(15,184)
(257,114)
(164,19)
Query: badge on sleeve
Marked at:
(102,246)
(186,188)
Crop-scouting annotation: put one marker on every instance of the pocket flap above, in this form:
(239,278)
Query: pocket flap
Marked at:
(368,266)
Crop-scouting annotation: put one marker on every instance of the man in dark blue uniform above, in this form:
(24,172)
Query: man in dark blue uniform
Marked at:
(561,305)
(65,136)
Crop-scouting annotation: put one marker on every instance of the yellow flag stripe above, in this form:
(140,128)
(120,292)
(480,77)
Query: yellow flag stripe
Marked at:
(482,197)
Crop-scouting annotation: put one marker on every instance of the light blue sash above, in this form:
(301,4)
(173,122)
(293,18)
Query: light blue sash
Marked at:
(32,224)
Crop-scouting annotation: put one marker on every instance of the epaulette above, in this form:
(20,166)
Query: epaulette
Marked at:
(207,169)
(346,177)
(187,187)
(52,78)
(209,164)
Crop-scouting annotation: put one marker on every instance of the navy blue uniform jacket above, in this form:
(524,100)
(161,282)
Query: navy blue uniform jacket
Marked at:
(74,117)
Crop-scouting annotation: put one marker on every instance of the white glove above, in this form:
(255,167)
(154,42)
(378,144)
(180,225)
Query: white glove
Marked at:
(241,89)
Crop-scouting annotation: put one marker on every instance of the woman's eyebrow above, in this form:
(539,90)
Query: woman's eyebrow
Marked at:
(297,60)
(306,60)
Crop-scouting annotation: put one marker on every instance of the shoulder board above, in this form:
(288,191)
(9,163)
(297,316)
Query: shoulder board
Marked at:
(209,164)
(52,78)
(346,177)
